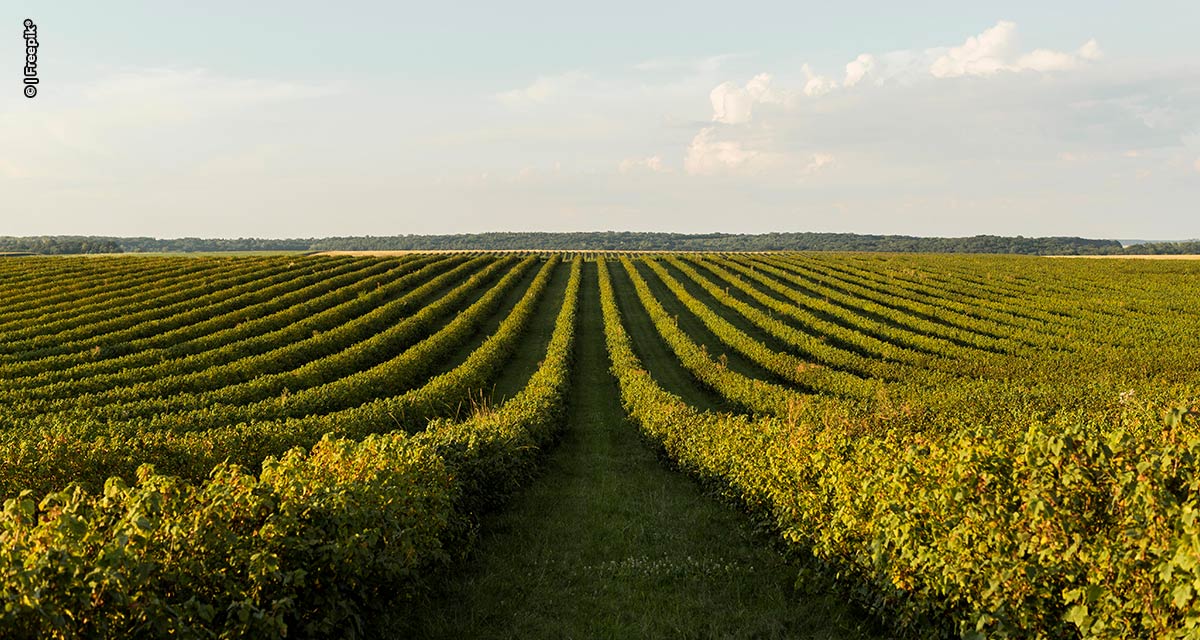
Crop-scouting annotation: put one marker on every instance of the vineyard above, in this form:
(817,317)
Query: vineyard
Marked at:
(282,446)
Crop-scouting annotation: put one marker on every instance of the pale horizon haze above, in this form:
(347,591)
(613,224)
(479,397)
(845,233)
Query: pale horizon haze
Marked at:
(305,119)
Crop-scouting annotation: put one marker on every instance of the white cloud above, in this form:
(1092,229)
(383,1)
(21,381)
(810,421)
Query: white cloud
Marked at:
(251,160)
(12,170)
(731,104)
(750,152)
(194,91)
(543,90)
(707,64)
(121,117)
(530,174)
(988,53)
(816,85)
(1090,51)
(708,156)
(96,111)
(715,151)
(979,55)
(1047,60)
(858,68)
(995,50)
(735,105)
(653,164)
(817,162)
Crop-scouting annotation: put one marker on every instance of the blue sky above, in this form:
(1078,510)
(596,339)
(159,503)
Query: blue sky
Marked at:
(298,119)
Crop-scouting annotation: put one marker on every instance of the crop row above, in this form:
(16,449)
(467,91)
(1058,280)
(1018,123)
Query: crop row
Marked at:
(50,451)
(159,300)
(755,395)
(90,284)
(328,290)
(1062,532)
(808,375)
(314,544)
(358,330)
(874,321)
(828,342)
(971,387)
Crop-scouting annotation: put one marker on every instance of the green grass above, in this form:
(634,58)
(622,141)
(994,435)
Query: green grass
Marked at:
(654,352)
(609,543)
(701,334)
(491,324)
(728,314)
(515,373)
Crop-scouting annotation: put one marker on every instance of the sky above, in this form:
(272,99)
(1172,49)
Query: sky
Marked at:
(306,119)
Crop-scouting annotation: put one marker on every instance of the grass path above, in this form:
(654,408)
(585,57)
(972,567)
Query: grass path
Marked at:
(609,543)
(701,334)
(652,350)
(515,373)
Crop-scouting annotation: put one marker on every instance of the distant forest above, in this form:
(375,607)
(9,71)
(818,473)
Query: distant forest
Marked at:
(602,240)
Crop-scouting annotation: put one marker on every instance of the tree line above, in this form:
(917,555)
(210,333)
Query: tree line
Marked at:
(602,240)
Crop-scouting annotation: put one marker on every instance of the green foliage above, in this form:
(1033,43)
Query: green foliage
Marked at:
(304,549)
(60,244)
(1066,531)
(975,446)
(755,395)
(309,547)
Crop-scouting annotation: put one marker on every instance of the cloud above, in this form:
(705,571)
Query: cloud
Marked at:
(991,52)
(707,64)
(252,160)
(194,91)
(988,53)
(915,131)
(743,152)
(995,50)
(735,105)
(1047,60)
(12,170)
(979,55)
(137,117)
(758,151)
(1197,165)
(858,68)
(731,104)
(1090,51)
(817,162)
(816,85)
(652,164)
(543,90)
(708,156)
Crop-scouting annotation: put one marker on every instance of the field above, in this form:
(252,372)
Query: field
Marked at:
(516,444)
(1165,256)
